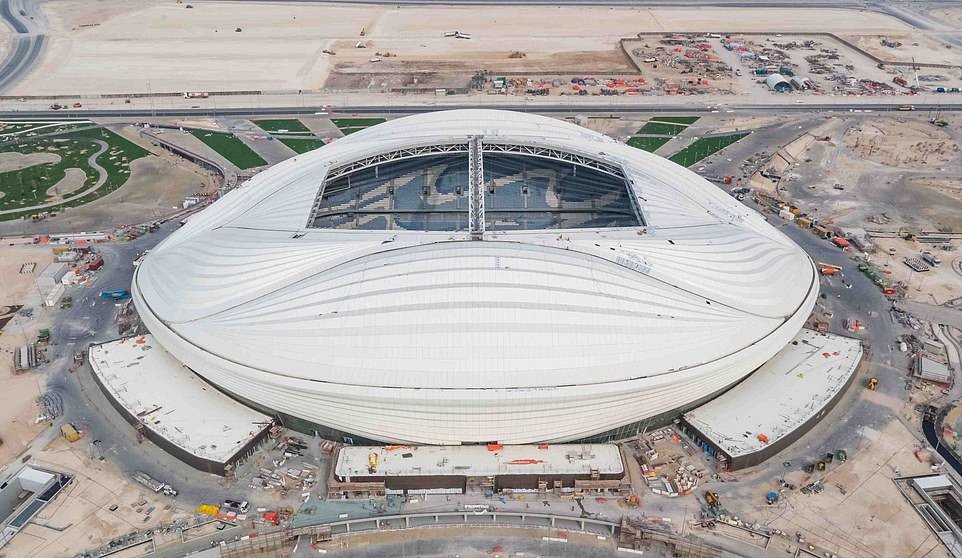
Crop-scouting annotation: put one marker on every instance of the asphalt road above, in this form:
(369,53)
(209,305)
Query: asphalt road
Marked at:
(27,43)
(794,108)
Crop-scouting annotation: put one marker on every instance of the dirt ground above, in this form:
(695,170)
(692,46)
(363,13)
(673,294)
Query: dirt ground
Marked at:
(923,48)
(871,518)
(12,161)
(84,507)
(280,46)
(73,180)
(901,143)
(156,188)
(19,392)
(936,286)
(895,172)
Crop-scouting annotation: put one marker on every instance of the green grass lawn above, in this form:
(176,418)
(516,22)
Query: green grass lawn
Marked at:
(274,126)
(28,186)
(686,120)
(703,147)
(661,128)
(18,130)
(302,145)
(649,144)
(230,148)
(348,126)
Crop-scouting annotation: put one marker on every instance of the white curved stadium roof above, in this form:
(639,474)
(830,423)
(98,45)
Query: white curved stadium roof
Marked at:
(427,336)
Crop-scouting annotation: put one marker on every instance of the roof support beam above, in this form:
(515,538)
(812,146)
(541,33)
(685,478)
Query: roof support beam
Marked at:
(476,188)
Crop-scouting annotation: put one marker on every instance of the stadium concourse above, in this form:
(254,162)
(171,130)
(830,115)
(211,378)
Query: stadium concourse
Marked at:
(475,276)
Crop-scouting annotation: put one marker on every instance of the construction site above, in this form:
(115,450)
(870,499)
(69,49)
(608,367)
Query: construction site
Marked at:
(145,238)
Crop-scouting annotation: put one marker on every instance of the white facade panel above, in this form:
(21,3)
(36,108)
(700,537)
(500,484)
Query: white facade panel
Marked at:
(428,337)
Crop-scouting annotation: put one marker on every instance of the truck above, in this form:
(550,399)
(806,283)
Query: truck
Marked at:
(155,485)
(69,432)
(119,294)
(196,95)
(899,80)
(237,507)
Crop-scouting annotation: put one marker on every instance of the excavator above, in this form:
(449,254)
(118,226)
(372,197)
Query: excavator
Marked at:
(714,502)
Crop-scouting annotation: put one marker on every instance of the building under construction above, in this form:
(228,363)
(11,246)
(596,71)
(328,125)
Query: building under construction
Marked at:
(564,469)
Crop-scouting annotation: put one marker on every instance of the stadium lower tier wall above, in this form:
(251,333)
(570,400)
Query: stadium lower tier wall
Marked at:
(197,462)
(730,463)
(459,483)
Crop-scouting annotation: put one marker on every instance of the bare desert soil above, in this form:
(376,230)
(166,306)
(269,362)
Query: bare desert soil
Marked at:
(871,518)
(923,48)
(84,508)
(19,392)
(124,46)
(907,144)
(12,161)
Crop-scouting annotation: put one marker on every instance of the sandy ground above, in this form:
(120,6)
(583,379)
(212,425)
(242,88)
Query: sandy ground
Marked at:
(898,174)
(936,286)
(905,143)
(892,172)
(923,48)
(156,188)
(872,518)
(19,392)
(72,181)
(952,16)
(114,46)
(12,161)
(84,508)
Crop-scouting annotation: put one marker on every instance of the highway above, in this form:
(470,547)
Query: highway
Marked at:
(394,108)
(27,43)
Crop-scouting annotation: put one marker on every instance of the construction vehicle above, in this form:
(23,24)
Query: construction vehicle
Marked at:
(771,498)
(712,499)
(237,507)
(155,485)
(937,119)
(840,242)
(841,455)
(66,302)
(119,294)
(828,269)
(208,509)
(872,384)
(70,432)
(43,335)
(372,462)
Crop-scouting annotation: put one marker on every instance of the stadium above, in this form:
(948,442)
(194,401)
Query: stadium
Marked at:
(475,276)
